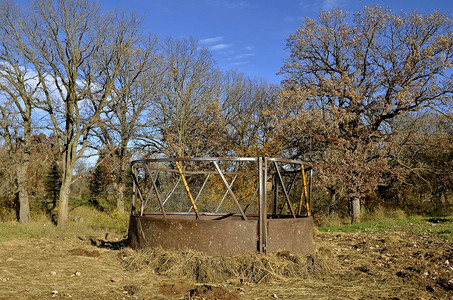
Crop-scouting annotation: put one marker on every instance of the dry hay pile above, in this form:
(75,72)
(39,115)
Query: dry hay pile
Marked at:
(245,268)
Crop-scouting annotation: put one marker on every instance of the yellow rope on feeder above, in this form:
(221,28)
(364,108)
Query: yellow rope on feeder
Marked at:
(304,193)
(194,205)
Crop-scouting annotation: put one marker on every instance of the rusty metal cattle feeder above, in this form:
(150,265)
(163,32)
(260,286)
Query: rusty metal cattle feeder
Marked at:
(222,206)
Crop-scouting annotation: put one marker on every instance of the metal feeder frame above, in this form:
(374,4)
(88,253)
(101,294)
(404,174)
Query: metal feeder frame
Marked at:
(269,171)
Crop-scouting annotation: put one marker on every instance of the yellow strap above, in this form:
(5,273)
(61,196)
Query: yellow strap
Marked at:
(194,205)
(305,192)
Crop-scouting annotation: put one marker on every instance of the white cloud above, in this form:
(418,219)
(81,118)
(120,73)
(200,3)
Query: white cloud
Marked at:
(331,4)
(231,4)
(219,47)
(241,56)
(213,44)
(322,4)
(238,63)
(227,52)
(211,40)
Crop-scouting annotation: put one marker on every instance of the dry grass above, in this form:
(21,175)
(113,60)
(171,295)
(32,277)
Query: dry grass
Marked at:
(380,215)
(404,260)
(83,221)
(246,268)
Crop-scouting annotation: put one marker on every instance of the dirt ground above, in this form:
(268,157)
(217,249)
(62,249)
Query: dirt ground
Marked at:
(395,264)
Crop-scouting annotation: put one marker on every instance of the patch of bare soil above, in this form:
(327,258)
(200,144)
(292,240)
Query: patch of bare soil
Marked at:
(397,264)
(176,289)
(83,252)
(211,292)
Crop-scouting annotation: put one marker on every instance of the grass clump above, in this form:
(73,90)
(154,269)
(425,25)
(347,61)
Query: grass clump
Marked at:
(83,221)
(90,218)
(41,226)
(115,221)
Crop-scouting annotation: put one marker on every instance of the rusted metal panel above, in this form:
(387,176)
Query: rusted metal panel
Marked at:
(214,237)
(294,235)
(220,237)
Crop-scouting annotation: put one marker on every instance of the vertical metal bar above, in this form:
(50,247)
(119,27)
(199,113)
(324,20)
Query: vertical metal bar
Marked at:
(284,189)
(261,206)
(133,190)
(310,182)
(143,196)
(265,206)
(262,176)
(139,193)
(230,191)
(275,200)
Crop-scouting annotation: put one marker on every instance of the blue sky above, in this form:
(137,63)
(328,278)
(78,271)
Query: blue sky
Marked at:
(248,35)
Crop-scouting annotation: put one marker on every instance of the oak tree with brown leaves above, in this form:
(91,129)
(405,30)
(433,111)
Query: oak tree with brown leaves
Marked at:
(345,79)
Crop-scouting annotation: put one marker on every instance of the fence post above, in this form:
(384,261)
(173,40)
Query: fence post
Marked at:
(262,169)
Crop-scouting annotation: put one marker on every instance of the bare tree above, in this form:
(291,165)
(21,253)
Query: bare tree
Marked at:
(78,54)
(134,92)
(348,80)
(247,106)
(187,109)
(18,90)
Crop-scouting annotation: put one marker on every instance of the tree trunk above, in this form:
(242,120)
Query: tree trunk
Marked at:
(63,204)
(355,210)
(120,187)
(24,204)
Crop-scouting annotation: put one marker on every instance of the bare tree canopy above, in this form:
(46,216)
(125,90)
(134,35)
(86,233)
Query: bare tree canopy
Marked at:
(187,107)
(18,92)
(134,93)
(78,55)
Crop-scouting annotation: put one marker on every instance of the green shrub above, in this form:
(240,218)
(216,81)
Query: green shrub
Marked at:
(114,221)
(7,209)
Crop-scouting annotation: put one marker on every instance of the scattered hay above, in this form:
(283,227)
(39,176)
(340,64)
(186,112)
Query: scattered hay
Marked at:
(83,252)
(247,268)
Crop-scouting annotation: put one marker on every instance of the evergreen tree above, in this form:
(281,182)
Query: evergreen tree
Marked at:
(52,184)
(97,187)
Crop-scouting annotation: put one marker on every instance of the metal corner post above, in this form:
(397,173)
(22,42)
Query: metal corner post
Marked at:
(311,188)
(262,169)
(134,189)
